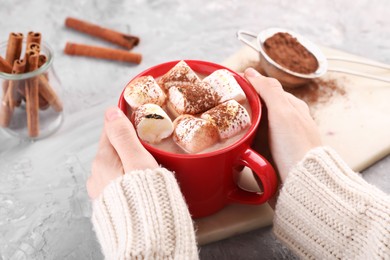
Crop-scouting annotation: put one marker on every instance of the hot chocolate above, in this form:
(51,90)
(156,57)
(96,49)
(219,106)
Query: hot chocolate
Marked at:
(192,114)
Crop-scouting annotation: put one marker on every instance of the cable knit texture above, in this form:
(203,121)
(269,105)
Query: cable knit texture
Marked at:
(143,215)
(324,211)
(327,211)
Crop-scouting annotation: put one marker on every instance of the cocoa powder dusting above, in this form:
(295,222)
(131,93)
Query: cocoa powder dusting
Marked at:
(198,96)
(285,50)
(318,91)
(222,117)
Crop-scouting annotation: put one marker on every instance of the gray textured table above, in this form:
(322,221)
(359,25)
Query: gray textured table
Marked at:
(44,210)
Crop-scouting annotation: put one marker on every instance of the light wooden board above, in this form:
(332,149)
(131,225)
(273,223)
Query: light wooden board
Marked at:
(356,124)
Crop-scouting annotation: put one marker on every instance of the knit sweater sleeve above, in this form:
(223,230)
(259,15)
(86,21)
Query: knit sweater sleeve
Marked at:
(327,211)
(142,215)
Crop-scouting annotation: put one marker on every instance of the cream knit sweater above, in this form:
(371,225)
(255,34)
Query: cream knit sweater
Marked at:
(324,211)
(327,211)
(142,215)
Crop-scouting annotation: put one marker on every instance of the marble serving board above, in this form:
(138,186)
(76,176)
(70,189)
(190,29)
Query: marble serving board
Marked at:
(353,116)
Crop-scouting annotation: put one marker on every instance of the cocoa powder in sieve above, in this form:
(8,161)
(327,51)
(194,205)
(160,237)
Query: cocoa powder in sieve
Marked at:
(285,50)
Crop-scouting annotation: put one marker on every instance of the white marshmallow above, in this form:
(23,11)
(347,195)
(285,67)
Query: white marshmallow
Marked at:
(225,85)
(192,98)
(230,117)
(181,72)
(144,90)
(194,134)
(152,123)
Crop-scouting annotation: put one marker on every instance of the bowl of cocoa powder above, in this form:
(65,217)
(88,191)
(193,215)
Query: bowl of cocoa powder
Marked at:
(287,56)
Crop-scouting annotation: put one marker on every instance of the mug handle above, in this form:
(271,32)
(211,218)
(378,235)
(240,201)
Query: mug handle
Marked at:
(240,36)
(265,173)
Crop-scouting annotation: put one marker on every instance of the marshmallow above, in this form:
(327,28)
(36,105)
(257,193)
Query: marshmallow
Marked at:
(230,117)
(144,90)
(152,123)
(194,134)
(225,85)
(181,72)
(192,98)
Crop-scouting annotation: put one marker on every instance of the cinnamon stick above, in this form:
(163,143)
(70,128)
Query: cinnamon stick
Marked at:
(49,95)
(14,96)
(27,58)
(33,37)
(102,52)
(8,100)
(5,112)
(33,46)
(42,60)
(5,66)
(43,104)
(14,47)
(125,40)
(32,96)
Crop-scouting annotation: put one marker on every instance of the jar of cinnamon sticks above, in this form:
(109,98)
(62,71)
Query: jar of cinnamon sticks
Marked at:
(30,107)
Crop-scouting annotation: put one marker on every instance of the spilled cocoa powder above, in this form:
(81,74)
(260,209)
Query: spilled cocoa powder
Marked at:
(318,91)
(286,50)
(315,92)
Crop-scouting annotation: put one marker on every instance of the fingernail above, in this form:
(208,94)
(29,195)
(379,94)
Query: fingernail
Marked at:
(113,113)
(250,72)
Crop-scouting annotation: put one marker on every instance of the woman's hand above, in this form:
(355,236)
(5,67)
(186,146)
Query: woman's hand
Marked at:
(119,152)
(292,131)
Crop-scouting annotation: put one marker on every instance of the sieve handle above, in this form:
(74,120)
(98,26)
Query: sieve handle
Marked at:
(360,74)
(368,63)
(240,36)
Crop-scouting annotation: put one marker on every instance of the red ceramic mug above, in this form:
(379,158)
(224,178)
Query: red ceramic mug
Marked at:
(208,181)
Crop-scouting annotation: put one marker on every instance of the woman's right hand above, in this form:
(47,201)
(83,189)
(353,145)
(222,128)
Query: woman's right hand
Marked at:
(119,152)
(292,131)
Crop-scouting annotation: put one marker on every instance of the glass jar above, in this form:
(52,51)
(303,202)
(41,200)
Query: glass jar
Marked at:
(31,107)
